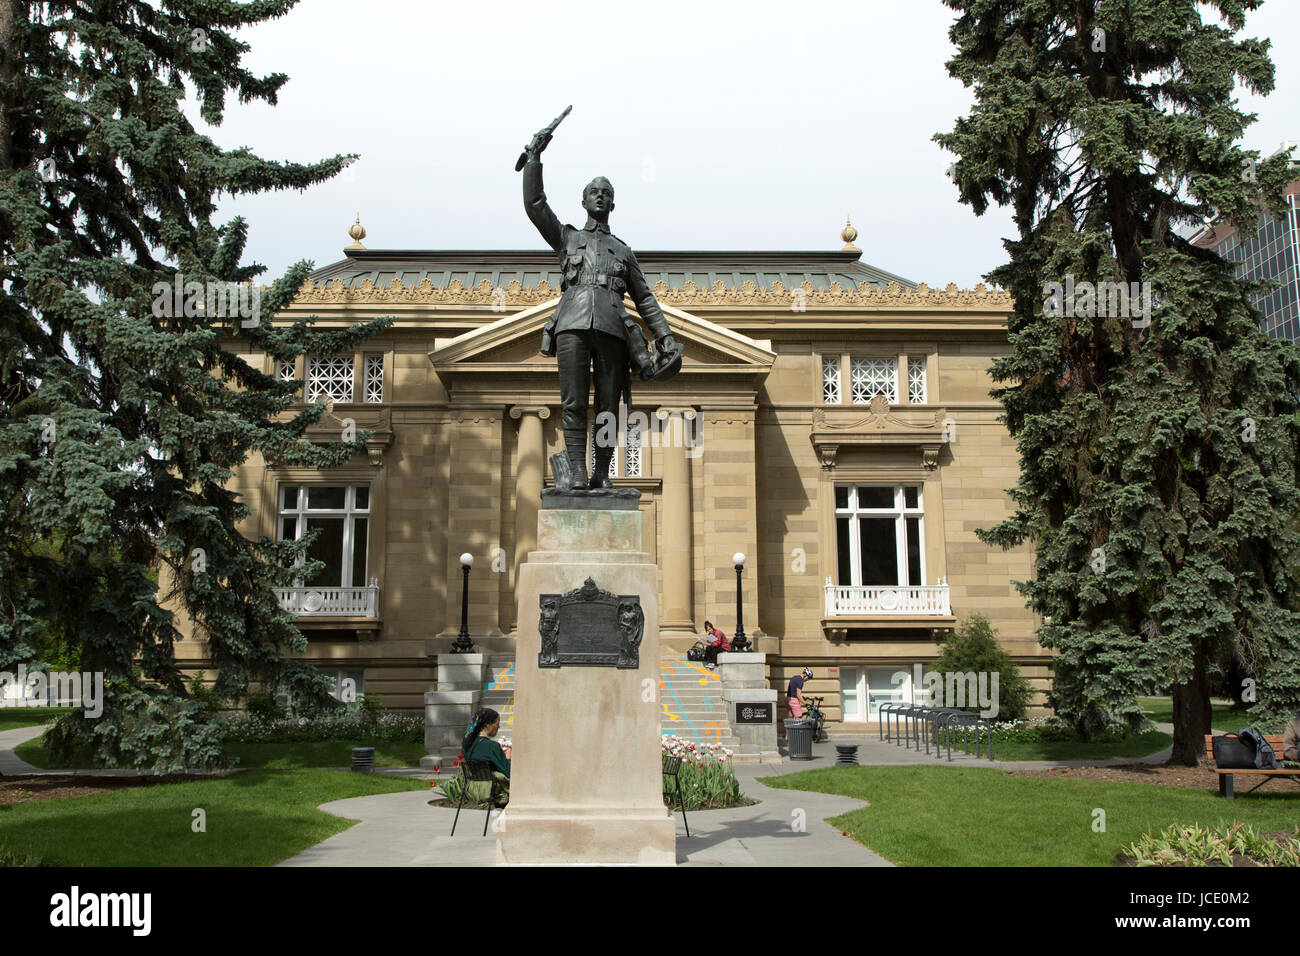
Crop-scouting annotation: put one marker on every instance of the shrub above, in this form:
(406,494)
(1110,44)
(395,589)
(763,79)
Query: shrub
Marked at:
(973,646)
(201,691)
(264,707)
(354,723)
(159,730)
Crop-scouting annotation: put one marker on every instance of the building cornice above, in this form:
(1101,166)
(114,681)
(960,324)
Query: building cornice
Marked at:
(865,295)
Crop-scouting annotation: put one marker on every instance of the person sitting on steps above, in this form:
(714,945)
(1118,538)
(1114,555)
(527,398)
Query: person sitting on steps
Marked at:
(715,643)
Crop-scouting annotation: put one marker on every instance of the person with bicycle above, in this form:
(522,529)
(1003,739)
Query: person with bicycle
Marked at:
(794,693)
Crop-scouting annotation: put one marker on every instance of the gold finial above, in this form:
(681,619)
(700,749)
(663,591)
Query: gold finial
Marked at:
(357,232)
(848,234)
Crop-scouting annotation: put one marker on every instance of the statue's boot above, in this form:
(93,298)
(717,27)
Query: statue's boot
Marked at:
(575,446)
(600,472)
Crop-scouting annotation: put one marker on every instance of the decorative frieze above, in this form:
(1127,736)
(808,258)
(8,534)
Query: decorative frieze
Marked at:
(335,291)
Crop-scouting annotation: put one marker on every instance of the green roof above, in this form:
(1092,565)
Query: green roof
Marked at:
(674,268)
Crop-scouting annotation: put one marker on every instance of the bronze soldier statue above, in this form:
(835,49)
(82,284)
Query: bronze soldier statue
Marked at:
(591,334)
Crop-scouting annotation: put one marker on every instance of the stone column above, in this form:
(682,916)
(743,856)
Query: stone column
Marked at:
(676,425)
(530,470)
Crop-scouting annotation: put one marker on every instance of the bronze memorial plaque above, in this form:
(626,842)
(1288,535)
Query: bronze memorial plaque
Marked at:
(590,627)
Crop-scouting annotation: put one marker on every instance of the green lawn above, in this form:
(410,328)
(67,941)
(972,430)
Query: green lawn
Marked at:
(1223,717)
(11,718)
(1139,745)
(254,818)
(940,816)
(275,756)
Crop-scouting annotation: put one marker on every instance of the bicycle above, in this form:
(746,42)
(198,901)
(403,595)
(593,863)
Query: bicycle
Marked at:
(815,712)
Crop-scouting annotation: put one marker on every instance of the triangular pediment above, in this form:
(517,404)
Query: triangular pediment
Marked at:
(513,341)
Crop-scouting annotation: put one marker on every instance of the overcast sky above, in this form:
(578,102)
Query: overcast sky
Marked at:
(722,125)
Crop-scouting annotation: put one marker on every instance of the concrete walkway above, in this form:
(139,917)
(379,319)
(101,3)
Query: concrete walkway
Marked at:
(10,765)
(786,828)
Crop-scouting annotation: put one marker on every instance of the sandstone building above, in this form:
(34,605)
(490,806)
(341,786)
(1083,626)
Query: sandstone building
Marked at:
(838,428)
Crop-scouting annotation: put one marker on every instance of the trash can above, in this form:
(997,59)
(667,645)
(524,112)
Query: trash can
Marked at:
(798,737)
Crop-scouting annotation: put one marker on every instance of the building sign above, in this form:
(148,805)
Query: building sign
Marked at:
(754,713)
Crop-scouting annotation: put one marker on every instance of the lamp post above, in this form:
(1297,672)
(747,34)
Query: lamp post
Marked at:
(739,643)
(462,644)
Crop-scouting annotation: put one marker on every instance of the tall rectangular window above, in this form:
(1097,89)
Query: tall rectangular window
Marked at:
(632,451)
(878,532)
(342,515)
(869,377)
(916,380)
(374,386)
(329,379)
(831,380)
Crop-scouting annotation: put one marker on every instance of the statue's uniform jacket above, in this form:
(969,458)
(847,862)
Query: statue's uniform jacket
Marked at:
(598,269)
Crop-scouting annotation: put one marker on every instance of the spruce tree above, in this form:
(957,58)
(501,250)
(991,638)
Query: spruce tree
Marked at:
(125,409)
(1158,449)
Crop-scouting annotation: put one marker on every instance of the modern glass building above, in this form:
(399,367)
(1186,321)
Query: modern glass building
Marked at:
(1273,252)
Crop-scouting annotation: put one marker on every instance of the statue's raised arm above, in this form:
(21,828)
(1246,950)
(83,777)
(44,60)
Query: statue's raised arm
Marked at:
(539,212)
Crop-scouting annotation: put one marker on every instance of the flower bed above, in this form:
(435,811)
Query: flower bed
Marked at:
(1035,730)
(1237,844)
(706,777)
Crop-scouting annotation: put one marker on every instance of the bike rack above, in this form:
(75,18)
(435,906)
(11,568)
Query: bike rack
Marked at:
(920,723)
(883,714)
(912,714)
(953,719)
(936,721)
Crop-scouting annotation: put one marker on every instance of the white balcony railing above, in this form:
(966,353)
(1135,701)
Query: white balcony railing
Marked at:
(330,602)
(851,599)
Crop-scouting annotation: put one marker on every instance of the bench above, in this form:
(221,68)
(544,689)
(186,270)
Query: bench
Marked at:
(1225,776)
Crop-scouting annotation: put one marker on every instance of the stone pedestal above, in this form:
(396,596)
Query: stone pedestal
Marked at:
(744,684)
(585,781)
(447,710)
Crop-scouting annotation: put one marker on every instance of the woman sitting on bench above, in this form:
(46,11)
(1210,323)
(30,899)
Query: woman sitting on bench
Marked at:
(478,746)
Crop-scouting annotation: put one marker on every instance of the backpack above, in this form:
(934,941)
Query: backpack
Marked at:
(1265,759)
(696,653)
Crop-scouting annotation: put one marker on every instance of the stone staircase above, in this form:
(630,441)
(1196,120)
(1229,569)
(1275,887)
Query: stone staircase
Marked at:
(499,692)
(690,696)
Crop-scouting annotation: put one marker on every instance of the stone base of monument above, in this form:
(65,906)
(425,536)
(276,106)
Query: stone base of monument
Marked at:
(448,709)
(585,776)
